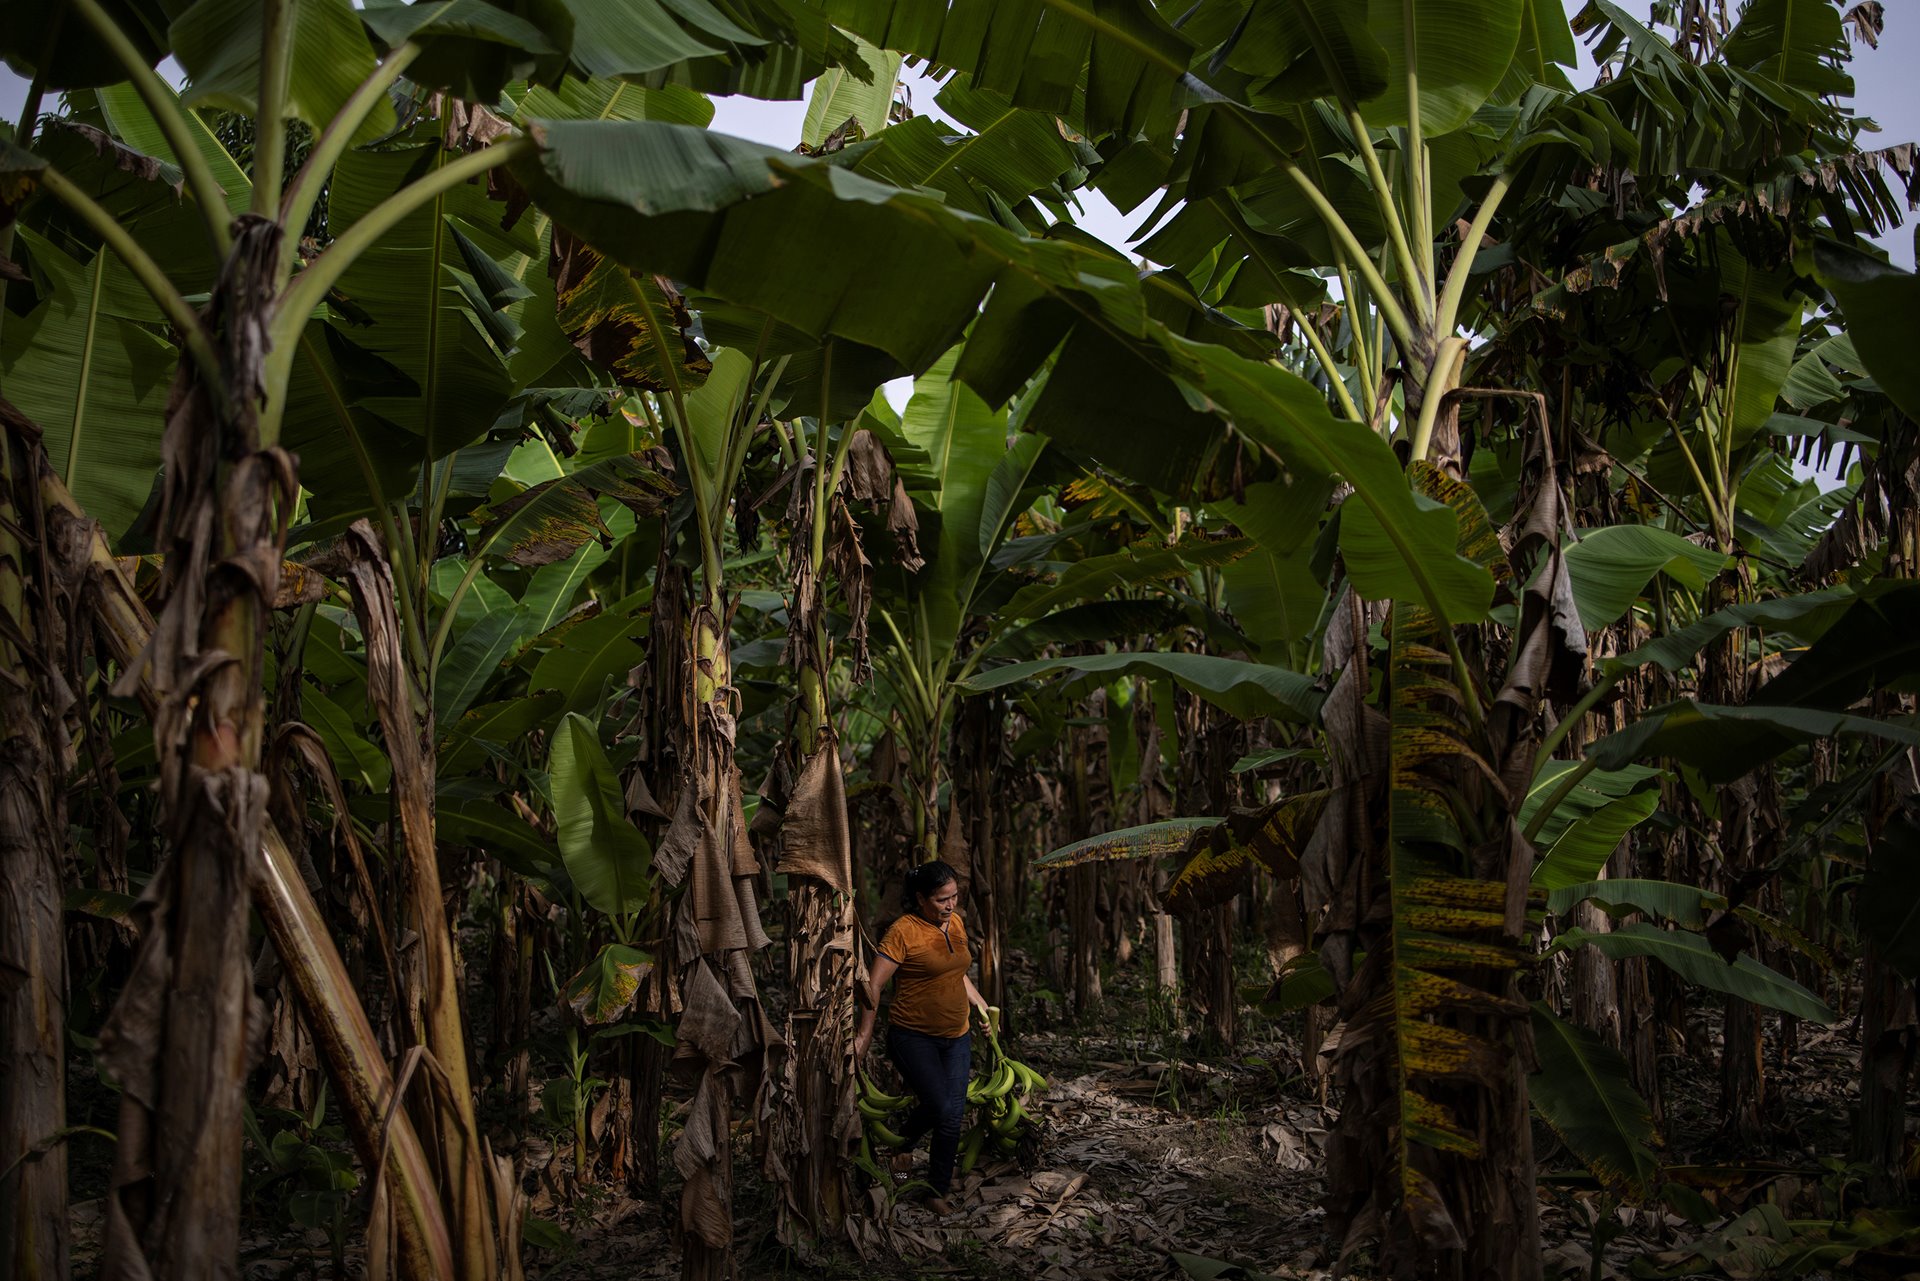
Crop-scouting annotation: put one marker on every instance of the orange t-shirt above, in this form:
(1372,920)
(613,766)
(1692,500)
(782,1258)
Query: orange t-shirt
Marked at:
(930,991)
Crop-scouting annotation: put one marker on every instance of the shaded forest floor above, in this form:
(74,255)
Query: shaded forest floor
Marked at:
(1152,1149)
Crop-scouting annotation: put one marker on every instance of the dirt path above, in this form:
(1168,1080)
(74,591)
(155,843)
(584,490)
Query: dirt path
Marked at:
(1146,1152)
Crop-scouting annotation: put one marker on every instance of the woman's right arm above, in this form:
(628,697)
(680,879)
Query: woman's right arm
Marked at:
(877,977)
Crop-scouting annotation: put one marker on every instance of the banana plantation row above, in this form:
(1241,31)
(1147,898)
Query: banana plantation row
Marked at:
(450,521)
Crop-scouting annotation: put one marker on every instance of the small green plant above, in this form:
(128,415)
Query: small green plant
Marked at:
(309,1179)
(566,1101)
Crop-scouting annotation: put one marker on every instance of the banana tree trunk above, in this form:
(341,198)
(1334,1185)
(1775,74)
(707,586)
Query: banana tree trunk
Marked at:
(406,1207)
(724,1036)
(177,1039)
(431,982)
(35,1239)
(817,1126)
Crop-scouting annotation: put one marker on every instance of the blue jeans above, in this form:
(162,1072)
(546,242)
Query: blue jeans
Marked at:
(936,1069)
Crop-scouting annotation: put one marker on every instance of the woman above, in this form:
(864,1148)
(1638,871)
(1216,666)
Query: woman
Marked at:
(927,1032)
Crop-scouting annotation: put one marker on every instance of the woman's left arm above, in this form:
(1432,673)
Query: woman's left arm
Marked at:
(974,998)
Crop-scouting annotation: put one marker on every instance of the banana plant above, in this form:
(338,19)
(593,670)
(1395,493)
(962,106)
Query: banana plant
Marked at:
(231,491)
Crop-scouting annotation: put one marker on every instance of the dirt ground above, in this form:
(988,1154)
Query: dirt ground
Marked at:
(1151,1151)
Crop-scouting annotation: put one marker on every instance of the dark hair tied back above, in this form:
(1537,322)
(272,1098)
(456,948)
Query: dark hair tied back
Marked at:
(926,880)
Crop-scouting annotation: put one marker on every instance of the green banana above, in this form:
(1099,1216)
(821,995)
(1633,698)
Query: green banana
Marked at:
(1001,1082)
(970,1148)
(880,1134)
(1009,1121)
(1028,1078)
(872,1095)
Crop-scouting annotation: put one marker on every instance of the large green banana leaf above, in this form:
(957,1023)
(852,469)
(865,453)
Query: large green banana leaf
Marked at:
(605,853)
(1874,645)
(1880,302)
(1610,567)
(85,365)
(1395,542)
(1272,591)
(1725,742)
(427,297)
(1805,617)
(1455,51)
(1583,1092)
(842,94)
(964,441)
(1124,56)
(1693,958)
(217,43)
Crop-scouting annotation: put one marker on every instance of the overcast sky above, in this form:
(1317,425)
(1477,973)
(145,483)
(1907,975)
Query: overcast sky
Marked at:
(1889,93)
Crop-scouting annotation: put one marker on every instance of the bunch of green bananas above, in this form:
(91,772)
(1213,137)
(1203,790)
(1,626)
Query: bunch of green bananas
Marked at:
(999,1092)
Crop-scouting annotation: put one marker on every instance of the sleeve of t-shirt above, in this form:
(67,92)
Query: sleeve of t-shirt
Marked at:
(894,945)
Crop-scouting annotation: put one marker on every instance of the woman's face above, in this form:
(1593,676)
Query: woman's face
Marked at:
(939,905)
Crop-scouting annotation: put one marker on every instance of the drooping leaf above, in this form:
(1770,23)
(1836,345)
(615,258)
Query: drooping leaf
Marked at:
(1726,742)
(1220,863)
(607,986)
(634,327)
(68,54)
(1121,54)
(1880,301)
(499,832)
(1272,591)
(1150,840)
(1589,824)
(1100,577)
(475,49)
(1805,616)
(1101,620)
(1611,566)
(1685,905)
(1237,687)
(1396,542)
(131,120)
(1797,43)
(1583,1091)
(470,662)
(590,657)
(494,725)
(767,230)
(354,758)
(605,854)
(1012,154)
(578,99)
(553,519)
(1693,959)
(1874,645)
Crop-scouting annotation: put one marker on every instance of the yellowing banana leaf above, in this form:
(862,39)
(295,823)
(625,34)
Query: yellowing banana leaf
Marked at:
(1149,840)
